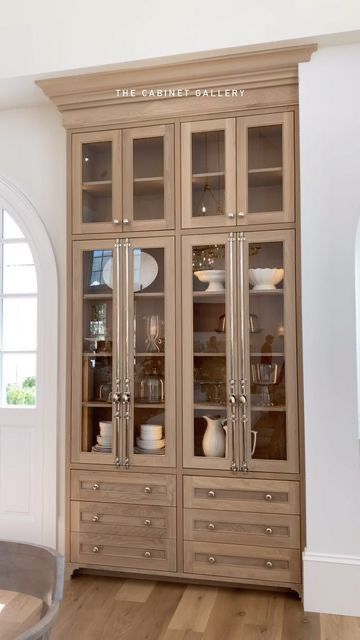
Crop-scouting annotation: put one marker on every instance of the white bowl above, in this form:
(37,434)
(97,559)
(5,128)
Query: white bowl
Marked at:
(104,440)
(151,431)
(105,427)
(265,279)
(150,446)
(214,277)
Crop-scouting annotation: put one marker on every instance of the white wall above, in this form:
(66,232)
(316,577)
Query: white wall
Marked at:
(330,209)
(48,36)
(32,157)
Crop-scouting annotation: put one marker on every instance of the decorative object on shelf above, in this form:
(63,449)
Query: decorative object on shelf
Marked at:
(151,438)
(105,392)
(280,330)
(214,440)
(206,256)
(206,199)
(265,375)
(150,445)
(98,321)
(221,328)
(153,341)
(265,279)
(145,270)
(214,277)
(104,438)
(253,323)
(152,386)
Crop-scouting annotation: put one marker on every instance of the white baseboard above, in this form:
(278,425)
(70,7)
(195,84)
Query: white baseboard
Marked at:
(331,583)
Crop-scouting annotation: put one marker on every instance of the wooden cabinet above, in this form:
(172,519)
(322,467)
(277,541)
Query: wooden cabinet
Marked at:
(185,424)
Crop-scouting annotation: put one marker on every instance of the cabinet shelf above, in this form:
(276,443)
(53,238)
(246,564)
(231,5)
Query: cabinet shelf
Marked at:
(148,186)
(98,187)
(97,296)
(265,177)
(149,354)
(157,294)
(279,408)
(274,354)
(94,354)
(149,405)
(208,298)
(211,406)
(95,404)
(266,292)
(201,354)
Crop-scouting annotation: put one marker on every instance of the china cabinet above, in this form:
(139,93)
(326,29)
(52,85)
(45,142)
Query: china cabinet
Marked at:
(185,455)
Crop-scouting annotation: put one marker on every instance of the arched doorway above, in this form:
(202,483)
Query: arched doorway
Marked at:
(28,372)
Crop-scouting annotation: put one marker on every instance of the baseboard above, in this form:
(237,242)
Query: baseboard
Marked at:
(331,583)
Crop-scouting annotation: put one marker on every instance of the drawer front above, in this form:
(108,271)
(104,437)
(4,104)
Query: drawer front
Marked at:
(243,562)
(113,551)
(132,488)
(242,528)
(239,494)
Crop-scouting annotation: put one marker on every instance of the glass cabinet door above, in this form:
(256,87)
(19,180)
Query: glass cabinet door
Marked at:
(149,178)
(208,173)
(150,351)
(208,430)
(265,169)
(96,159)
(270,442)
(93,433)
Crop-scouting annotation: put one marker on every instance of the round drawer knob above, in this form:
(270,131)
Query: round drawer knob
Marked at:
(147,554)
(268,530)
(96,486)
(116,221)
(268,497)
(211,493)
(269,564)
(241,214)
(211,559)
(95,549)
(147,523)
(231,215)
(211,526)
(96,518)
(125,221)
(147,490)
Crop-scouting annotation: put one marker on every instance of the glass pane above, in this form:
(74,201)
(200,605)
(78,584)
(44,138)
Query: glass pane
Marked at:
(97,182)
(208,173)
(149,352)
(267,350)
(209,343)
(19,324)
(148,182)
(265,165)
(10,228)
(19,274)
(97,360)
(19,379)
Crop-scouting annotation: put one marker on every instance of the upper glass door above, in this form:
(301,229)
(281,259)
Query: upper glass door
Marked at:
(207,357)
(96,159)
(208,173)
(150,351)
(94,338)
(265,169)
(149,178)
(269,346)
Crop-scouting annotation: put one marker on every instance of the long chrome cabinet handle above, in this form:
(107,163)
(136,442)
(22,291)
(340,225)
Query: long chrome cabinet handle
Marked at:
(117,390)
(242,389)
(231,388)
(126,398)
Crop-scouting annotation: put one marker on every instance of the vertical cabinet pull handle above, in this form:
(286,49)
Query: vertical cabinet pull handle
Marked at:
(117,381)
(232,384)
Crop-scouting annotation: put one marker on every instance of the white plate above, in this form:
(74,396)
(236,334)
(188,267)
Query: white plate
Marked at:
(98,449)
(153,452)
(145,444)
(145,269)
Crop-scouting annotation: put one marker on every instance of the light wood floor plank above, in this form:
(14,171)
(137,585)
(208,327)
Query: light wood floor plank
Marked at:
(194,609)
(135,591)
(339,627)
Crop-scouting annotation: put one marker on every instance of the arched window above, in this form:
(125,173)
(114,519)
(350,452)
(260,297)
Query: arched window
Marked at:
(18,316)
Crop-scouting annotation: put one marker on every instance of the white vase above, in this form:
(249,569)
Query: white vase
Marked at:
(214,440)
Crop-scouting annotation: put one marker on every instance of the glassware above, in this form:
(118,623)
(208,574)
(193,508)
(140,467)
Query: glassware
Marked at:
(265,375)
(152,387)
(152,340)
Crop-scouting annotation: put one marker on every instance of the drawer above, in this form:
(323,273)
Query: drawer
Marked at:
(239,494)
(112,551)
(126,520)
(243,562)
(242,528)
(133,488)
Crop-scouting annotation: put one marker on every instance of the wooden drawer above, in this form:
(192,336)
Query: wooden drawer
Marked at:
(133,488)
(239,494)
(243,562)
(242,528)
(126,520)
(112,551)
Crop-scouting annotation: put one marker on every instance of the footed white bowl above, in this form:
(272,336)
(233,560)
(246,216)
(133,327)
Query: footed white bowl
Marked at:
(214,277)
(265,279)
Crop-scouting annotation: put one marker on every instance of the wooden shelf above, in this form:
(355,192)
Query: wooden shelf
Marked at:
(266,292)
(98,187)
(95,404)
(210,406)
(140,294)
(149,354)
(94,354)
(278,408)
(97,296)
(200,354)
(149,179)
(209,298)
(148,186)
(149,405)
(274,354)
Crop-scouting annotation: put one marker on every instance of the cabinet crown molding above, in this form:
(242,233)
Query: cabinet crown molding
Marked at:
(81,98)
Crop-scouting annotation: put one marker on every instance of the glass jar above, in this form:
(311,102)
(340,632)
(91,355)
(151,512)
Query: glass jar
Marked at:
(152,387)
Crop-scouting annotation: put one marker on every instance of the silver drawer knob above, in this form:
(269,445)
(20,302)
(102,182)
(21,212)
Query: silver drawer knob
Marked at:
(125,221)
(211,559)
(211,493)
(268,530)
(231,215)
(96,517)
(269,564)
(268,497)
(147,523)
(96,486)
(147,554)
(211,526)
(147,490)
(241,214)
(116,221)
(95,549)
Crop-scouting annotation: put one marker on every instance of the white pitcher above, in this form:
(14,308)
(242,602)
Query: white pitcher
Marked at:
(214,440)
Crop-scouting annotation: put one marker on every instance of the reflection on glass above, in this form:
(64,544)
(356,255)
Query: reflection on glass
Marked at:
(209,345)
(11,230)
(96,181)
(267,350)
(18,379)
(208,173)
(19,275)
(19,324)
(265,182)
(148,181)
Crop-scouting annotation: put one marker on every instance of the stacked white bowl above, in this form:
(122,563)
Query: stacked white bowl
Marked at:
(104,439)
(151,438)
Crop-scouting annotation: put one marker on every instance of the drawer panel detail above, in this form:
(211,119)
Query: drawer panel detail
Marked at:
(133,488)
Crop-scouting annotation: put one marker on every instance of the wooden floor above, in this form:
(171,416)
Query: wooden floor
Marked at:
(98,608)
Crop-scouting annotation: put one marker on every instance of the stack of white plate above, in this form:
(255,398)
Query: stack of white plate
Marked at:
(151,439)
(104,439)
